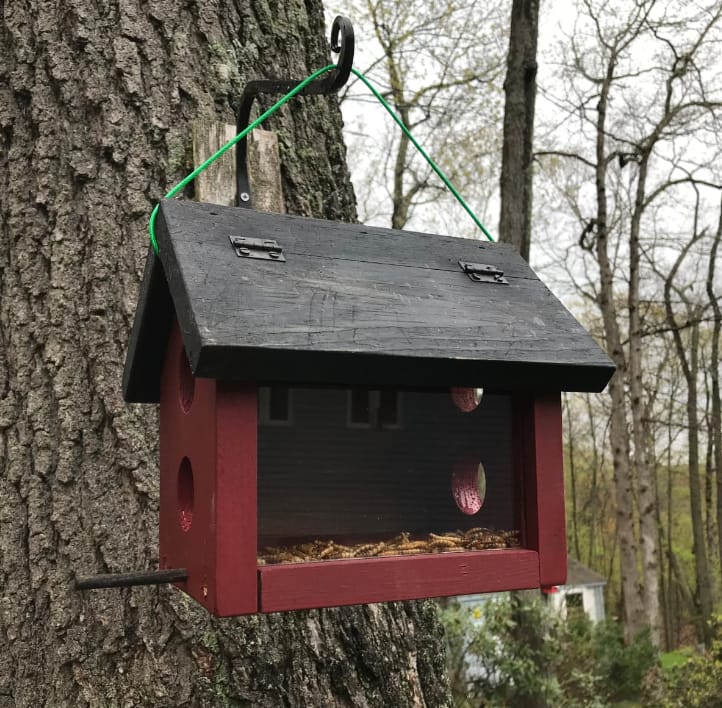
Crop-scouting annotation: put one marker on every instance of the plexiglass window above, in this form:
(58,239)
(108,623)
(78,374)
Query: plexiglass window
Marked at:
(362,473)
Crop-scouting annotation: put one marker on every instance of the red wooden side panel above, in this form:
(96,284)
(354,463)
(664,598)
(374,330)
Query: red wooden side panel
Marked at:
(298,586)
(236,499)
(539,458)
(207,485)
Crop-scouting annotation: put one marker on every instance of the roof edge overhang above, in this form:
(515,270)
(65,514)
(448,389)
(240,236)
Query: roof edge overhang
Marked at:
(163,297)
(156,313)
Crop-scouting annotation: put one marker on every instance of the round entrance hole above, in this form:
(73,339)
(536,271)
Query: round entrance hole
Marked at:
(466,399)
(186,383)
(185,494)
(468,486)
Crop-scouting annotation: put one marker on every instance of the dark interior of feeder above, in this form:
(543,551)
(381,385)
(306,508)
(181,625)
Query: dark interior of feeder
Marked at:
(346,473)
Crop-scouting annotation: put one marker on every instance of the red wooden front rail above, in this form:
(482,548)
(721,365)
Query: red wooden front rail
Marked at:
(298,586)
(538,457)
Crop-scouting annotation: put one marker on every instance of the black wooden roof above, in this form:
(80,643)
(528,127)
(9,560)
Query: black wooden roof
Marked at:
(351,304)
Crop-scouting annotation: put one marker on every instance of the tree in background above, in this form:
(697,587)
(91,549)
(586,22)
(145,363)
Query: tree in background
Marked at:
(685,334)
(438,63)
(644,105)
(515,229)
(96,104)
(520,90)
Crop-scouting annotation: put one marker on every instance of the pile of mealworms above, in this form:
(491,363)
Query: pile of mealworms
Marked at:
(476,539)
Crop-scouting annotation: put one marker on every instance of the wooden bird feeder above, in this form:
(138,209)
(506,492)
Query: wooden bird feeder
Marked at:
(323,436)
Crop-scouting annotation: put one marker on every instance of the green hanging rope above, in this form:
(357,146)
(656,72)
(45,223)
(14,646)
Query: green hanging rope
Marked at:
(267,114)
(433,165)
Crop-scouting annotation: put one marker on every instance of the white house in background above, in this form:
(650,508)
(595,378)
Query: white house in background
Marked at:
(584,590)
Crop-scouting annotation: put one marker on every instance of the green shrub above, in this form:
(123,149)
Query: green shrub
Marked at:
(623,666)
(508,668)
(695,684)
(526,651)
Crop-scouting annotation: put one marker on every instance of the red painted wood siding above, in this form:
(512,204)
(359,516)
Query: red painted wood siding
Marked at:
(217,435)
(298,586)
(540,463)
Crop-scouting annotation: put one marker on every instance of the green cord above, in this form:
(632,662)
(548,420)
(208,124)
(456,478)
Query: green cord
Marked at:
(266,114)
(433,165)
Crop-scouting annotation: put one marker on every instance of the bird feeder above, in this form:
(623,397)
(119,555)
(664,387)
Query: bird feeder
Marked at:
(352,414)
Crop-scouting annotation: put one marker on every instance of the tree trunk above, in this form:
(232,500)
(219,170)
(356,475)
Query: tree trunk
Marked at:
(572,478)
(96,101)
(520,90)
(593,489)
(516,200)
(648,530)
(699,547)
(716,408)
(634,615)
(688,355)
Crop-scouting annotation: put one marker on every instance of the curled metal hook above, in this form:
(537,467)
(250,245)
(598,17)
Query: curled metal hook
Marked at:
(342,43)
(342,27)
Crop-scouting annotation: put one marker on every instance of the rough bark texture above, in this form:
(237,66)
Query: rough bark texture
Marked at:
(516,202)
(648,529)
(520,90)
(634,614)
(96,101)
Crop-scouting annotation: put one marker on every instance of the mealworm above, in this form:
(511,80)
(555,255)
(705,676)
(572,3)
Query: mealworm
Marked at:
(474,539)
(443,537)
(413,545)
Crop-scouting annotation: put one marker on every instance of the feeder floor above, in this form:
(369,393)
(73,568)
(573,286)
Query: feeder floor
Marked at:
(476,539)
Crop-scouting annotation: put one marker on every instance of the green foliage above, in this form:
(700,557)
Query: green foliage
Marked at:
(672,659)
(697,683)
(508,669)
(624,667)
(495,659)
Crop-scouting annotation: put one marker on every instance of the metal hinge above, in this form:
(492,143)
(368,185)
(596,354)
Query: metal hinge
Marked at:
(482,273)
(265,249)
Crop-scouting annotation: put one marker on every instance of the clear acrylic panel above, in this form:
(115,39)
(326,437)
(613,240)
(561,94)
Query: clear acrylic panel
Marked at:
(362,473)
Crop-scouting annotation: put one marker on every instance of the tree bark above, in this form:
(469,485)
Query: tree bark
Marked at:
(572,478)
(516,201)
(634,615)
(688,355)
(96,102)
(520,90)
(649,532)
(716,408)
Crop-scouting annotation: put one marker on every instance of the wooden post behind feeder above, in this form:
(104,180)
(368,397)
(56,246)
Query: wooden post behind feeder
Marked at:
(324,440)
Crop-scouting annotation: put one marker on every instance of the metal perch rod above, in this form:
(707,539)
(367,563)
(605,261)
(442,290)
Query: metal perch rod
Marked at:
(124,580)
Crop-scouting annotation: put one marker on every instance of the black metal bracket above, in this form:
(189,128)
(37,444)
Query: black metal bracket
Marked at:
(265,249)
(482,273)
(342,43)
